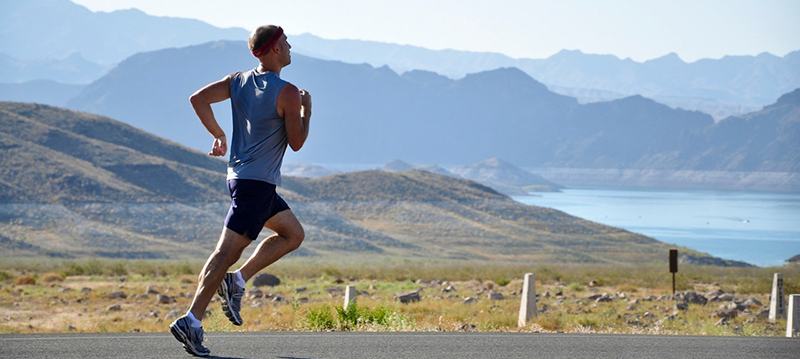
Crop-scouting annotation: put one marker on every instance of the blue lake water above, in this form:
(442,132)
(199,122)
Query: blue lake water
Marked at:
(755,227)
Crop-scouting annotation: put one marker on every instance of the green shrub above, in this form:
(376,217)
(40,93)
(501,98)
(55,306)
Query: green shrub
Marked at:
(503,282)
(319,318)
(4,276)
(575,287)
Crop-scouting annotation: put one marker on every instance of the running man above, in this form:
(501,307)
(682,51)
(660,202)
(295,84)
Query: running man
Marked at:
(268,114)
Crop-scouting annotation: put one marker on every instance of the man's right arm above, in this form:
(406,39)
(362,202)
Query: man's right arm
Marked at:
(201,102)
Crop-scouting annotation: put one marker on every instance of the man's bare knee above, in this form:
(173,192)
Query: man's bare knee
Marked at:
(294,236)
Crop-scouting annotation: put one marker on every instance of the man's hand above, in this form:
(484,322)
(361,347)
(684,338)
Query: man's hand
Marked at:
(305,103)
(220,146)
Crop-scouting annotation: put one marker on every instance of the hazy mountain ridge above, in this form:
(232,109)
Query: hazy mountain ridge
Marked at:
(717,86)
(104,211)
(89,42)
(105,38)
(372,115)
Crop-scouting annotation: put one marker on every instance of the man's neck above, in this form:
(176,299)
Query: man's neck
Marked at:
(262,68)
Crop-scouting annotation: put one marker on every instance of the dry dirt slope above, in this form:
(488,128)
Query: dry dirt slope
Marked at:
(76,185)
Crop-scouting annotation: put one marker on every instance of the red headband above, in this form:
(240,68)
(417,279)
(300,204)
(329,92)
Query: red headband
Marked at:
(269,44)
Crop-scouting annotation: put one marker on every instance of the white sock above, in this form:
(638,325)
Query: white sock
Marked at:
(193,321)
(239,279)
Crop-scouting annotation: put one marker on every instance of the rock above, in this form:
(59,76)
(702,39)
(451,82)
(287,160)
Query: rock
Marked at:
(114,308)
(277,298)
(174,314)
(495,296)
(622,295)
(164,299)
(648,315)
(734,306)
(751,302)
(117,295)
(726,297)
(255,293)
(71,328)
(694,298)
(65,289)
(604,298)
(301,300)
(763,313)
(464,327)
(723,322)
(151,290)
(448,289)
(725,313)
(594,283)
(408,297)
(86,290)
(470,300)
(265,279)
(594,296)
(300,289)
(681,306)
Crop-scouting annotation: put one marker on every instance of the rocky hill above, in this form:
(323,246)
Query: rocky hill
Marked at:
(76,185)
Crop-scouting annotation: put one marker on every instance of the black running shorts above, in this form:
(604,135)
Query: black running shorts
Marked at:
(253,203)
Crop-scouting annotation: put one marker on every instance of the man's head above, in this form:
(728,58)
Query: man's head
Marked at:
(267,38)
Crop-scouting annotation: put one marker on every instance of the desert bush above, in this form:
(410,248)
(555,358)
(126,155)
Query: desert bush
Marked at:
(575,287)
(185,268)
(4,276)
(52,277)
(26,280)
(319,318)
(118,269)
(503,281)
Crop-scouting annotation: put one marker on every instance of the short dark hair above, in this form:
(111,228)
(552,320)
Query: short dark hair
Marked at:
(260,36)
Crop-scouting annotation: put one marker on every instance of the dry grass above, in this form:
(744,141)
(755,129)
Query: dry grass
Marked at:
(82,303)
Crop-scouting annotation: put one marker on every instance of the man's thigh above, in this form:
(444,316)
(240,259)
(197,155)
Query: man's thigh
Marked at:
(285,224)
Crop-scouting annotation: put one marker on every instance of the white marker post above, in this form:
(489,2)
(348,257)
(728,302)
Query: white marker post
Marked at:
(793,320)
(527,308)
(777,304)
(349,296)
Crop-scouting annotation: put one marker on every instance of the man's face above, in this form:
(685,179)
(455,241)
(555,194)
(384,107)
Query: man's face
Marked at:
(283,45)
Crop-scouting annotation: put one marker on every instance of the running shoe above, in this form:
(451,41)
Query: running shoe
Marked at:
(231,294)
(191,337)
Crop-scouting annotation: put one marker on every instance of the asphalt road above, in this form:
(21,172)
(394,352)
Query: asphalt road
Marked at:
(305,345)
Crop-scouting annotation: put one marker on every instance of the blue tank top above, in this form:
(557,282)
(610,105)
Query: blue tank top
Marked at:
(259,139)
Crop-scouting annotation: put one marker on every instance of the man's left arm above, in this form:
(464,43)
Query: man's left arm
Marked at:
(295,107)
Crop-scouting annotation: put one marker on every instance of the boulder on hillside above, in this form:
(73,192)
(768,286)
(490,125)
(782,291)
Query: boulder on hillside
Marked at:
(265,279)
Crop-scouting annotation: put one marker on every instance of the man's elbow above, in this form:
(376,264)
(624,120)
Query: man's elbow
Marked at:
(296,146)
(195,99)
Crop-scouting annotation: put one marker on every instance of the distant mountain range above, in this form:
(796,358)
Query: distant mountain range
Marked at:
(89,44)
(728,86)
(77,185)
(57,29)
(372,115)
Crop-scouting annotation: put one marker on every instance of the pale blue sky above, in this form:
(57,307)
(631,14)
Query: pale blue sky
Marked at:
(637,29)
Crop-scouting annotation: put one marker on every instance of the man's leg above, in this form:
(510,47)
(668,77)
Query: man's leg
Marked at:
(229,250)
(289,234)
